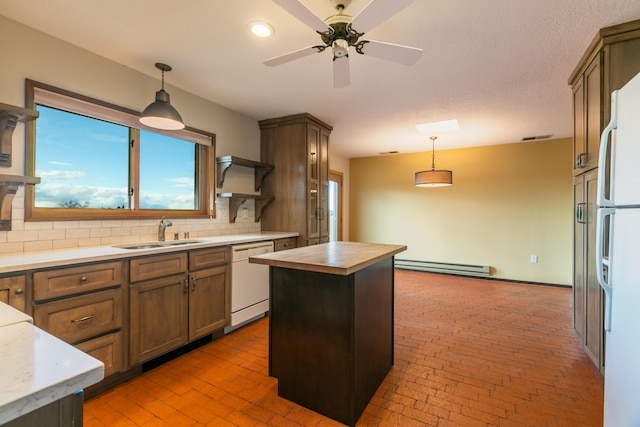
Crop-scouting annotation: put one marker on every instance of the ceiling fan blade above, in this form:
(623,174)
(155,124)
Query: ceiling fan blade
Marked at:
(300,11)
(341,72)
(391,52)
(301,53)
(376,13)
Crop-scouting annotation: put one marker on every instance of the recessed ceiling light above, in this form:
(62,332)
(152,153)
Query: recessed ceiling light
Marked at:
(261,29)
(435,128)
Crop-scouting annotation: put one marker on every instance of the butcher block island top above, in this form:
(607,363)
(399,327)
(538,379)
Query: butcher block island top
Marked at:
(341,258)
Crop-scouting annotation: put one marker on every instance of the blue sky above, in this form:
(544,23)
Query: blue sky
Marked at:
(86,160)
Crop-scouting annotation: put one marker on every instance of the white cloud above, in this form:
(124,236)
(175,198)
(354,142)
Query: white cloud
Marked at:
(61,175)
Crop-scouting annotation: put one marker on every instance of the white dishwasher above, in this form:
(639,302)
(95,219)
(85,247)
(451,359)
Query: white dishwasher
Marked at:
(249,284)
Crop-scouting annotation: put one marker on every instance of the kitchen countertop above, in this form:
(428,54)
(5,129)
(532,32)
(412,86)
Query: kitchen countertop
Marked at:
(38,368)
(44,259)
(341,258)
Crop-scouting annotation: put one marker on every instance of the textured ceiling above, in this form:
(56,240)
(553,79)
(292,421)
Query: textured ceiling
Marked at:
(498,66)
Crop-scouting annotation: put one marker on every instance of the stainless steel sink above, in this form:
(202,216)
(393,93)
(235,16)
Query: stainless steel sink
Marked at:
(151,245)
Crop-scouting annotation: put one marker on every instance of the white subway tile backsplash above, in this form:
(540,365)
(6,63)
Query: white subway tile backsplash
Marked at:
(47,235)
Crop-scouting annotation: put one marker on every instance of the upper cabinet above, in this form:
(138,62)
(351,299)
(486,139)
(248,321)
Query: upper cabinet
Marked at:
(298,147)
(611,60)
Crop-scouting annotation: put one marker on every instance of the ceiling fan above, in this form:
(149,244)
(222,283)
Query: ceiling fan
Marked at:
(341,31)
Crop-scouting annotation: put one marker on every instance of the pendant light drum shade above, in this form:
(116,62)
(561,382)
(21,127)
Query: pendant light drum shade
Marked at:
(434,178)
(160,114)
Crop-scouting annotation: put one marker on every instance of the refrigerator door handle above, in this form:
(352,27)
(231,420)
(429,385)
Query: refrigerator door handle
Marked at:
(601,263)
(601,198)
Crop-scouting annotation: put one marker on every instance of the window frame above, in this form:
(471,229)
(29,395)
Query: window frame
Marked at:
(205,156)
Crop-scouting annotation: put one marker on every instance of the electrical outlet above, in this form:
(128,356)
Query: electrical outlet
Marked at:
(534,258)
(245,213)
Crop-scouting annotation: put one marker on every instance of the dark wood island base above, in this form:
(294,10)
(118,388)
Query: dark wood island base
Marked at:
(331,325)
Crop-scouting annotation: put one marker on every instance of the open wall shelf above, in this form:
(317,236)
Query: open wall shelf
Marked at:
(224,163)
(237,199)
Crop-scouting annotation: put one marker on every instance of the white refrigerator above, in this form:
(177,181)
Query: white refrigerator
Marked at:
(618,255)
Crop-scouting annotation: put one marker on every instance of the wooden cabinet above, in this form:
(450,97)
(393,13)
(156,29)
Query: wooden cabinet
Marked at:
(209,294)
(284,244)
(83,305)
(611,60)
(170,305)
(158,305)
(298,147)
(587,295)
(13,291)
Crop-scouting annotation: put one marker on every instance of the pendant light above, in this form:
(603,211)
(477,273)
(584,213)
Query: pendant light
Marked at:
(434,178)
(160,114)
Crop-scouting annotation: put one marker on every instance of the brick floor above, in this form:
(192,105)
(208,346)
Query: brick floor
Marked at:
(468,352)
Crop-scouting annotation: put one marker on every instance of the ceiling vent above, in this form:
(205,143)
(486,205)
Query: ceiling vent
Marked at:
(536,138)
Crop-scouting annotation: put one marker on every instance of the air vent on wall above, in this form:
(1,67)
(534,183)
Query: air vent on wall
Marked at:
(535,138)
(389,152)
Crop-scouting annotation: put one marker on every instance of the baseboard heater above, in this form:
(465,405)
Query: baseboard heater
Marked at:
(443,267)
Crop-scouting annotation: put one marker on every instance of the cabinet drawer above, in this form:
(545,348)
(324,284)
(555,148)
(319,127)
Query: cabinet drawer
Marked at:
(73,280)
(158,266)
(12,291)
(284,244)
(108,350)
(208,258)
(82,317)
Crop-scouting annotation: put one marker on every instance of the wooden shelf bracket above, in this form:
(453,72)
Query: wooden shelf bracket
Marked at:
(10,116)
(8,187)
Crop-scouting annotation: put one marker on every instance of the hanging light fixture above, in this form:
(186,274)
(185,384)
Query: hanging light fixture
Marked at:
(434,178)
(160,114)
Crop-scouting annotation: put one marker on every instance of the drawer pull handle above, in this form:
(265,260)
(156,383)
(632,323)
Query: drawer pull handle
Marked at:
(83,279)
(19,291)
(81,321)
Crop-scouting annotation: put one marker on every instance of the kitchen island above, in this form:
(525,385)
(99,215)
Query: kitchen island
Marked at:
(42,377)
(331,324)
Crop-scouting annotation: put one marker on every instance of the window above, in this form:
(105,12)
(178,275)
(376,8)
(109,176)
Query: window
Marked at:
(96,161)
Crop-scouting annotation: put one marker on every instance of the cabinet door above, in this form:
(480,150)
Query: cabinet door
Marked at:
(578,126)
(579,230)
(313,182)
(209,308)
(12,292)
(594,328)
(158,317)
(594,112)
(323,201)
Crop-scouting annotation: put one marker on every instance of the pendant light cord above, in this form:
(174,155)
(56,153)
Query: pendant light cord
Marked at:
(433,152)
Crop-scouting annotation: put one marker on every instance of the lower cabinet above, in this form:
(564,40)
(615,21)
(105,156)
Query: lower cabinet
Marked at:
(158,317)
(83,305)
(12,291)
(175,299)
(65,412)
(588,300)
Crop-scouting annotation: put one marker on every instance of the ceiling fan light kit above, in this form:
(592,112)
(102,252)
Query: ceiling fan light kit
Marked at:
(341,31)
(160,114)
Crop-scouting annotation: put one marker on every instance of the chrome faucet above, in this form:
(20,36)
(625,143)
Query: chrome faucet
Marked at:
(161,227)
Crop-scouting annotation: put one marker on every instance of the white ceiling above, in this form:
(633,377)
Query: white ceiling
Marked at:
(498,66)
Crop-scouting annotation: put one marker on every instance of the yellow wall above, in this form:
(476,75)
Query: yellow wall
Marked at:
(507,202)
